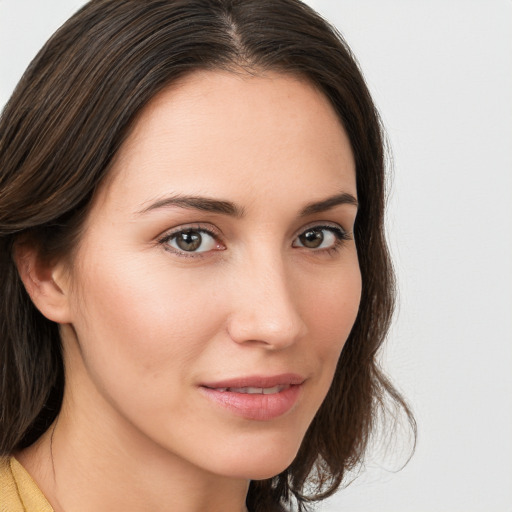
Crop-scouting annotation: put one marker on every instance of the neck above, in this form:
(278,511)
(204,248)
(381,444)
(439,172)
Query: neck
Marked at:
(85,465)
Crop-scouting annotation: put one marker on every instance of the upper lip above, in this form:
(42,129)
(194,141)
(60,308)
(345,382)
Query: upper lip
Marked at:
(257,381)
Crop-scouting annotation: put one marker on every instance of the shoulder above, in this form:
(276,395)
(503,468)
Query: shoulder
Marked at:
(9,497)
(18,492)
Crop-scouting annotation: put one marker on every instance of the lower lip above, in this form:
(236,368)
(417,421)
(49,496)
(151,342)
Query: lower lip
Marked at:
(256,406)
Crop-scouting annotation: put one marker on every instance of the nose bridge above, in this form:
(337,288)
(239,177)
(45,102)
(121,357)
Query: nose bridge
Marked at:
(264,308)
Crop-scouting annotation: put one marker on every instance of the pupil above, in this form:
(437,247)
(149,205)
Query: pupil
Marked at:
(312,239)
(189,240)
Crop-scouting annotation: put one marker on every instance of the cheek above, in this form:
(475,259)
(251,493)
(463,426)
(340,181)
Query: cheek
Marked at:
(331,314)
(332,307)
(140,321)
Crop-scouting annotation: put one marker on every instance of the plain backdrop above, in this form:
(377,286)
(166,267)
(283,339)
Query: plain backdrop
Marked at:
(441,74)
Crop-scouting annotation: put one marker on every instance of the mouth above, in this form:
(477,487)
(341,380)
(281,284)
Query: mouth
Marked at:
(256,398)
(254,390)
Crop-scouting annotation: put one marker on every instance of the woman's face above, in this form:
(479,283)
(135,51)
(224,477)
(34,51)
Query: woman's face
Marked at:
(217,278)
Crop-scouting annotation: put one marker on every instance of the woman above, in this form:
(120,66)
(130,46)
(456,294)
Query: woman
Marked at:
(195,277)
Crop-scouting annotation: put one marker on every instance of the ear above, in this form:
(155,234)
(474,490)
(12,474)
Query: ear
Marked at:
(46,283)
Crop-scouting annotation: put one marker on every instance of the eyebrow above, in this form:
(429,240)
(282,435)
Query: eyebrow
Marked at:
(204,204)
(207,204)
(327,204)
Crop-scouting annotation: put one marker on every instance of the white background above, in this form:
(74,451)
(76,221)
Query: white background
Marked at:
(441,74)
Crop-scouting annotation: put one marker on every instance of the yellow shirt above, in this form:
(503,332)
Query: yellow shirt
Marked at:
(18,492)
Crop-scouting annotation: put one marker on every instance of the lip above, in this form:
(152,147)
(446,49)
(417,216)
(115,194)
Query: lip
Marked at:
(259,407)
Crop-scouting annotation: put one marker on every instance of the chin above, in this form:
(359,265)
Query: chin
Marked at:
(258,460)
(259,469)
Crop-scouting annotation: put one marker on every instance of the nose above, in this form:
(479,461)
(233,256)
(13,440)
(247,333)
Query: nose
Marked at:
(264,307)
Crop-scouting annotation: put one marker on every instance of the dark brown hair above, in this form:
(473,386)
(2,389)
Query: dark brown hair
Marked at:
(64,124)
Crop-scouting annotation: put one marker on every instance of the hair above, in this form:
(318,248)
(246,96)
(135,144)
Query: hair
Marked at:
(59,133)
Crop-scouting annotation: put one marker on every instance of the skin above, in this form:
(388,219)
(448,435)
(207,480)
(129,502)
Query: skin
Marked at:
(144,324)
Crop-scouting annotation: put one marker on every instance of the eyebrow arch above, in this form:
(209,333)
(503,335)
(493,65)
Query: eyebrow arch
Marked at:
(327,204)
(205,204)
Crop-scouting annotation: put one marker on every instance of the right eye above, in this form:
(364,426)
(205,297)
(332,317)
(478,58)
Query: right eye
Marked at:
(192,241)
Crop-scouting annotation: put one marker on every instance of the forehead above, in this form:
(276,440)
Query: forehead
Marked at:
(218,132)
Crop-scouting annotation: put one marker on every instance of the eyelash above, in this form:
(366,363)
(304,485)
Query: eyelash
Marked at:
(340,234)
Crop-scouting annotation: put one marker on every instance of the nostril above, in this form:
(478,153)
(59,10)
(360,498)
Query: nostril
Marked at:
(257,326)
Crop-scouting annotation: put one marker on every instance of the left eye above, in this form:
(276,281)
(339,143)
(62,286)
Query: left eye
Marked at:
(319,238)
(192,240)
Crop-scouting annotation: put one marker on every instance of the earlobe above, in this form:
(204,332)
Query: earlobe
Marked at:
(44,282)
